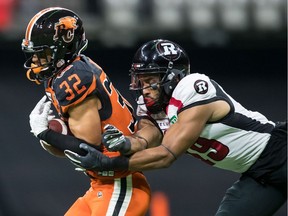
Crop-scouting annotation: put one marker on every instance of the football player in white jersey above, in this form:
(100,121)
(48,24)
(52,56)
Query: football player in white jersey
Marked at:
(198,117)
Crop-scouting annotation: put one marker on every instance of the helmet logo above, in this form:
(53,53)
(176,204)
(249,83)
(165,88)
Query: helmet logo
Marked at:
(168,51)
(65,28)
(201,86)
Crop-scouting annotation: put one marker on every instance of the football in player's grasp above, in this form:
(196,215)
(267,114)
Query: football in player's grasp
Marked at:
(58,126)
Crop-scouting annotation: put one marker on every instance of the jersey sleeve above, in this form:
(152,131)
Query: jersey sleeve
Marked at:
(74,85)
(194,89)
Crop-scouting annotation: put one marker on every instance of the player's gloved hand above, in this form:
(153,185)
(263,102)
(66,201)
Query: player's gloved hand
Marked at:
(95,160)
(114,140)
(40,116)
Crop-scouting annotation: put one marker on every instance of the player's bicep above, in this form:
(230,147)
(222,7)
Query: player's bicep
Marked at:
(182,134)
(84,120)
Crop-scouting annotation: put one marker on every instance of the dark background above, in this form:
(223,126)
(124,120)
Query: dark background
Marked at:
(250,64)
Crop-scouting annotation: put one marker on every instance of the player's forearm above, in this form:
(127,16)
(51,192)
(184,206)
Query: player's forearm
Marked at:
(143,139)
(62,142)
(150,159)
(150,132)
(137,144)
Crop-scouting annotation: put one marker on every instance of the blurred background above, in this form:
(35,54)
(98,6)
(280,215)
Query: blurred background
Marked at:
(242,44)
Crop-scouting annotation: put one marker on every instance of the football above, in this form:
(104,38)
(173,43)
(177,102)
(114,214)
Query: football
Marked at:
(58,126)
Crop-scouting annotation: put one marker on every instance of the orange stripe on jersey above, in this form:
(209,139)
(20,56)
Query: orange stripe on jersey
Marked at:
(121,116)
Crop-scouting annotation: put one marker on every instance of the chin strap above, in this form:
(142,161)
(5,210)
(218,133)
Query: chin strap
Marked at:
(32,73)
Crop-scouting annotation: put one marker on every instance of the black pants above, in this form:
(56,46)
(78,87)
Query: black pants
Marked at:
(262,190)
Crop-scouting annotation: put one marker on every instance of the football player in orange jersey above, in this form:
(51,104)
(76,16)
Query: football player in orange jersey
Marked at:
(86,100)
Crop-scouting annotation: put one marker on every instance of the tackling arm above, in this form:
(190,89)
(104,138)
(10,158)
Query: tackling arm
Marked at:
(176,141)
(179,137)
(147,136)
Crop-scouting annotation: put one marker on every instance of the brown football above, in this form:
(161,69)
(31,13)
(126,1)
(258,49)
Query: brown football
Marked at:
(58,125)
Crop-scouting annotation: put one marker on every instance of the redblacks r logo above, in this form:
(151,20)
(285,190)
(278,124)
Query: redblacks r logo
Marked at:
(168,51)
(201,86)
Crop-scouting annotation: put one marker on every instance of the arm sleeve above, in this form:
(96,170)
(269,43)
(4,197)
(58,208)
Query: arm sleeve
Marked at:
(62,142)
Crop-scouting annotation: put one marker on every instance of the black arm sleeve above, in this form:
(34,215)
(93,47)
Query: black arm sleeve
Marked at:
(62,142)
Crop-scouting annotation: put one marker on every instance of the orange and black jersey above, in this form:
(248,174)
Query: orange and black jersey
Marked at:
(84,78)
(81,79)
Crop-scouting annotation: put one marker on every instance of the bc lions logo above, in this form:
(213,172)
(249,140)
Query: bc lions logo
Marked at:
(65,28)
(168,50)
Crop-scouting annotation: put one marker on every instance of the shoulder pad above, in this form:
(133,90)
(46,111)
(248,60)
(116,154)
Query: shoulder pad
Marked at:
(194,88)
(72,84)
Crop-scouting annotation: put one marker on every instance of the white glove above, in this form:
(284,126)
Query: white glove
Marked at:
(40,116)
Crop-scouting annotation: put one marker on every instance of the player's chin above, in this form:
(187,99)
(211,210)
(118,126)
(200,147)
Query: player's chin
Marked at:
(149,102)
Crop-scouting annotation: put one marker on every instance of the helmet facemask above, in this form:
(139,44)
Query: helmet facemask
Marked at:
(158,104)
(39,63)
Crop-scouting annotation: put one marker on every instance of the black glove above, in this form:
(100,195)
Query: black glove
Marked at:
(95,160)
(114,140)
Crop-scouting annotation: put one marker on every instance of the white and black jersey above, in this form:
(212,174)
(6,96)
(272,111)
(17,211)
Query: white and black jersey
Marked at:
(234,142)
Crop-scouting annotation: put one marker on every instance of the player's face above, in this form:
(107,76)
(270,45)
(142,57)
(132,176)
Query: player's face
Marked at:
(150,88)
(39,61)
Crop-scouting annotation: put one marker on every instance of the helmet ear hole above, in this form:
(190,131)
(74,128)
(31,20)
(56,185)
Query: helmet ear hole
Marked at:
(171,80)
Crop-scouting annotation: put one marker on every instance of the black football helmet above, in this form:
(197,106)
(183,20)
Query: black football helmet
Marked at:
(55,34)
(162,57)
